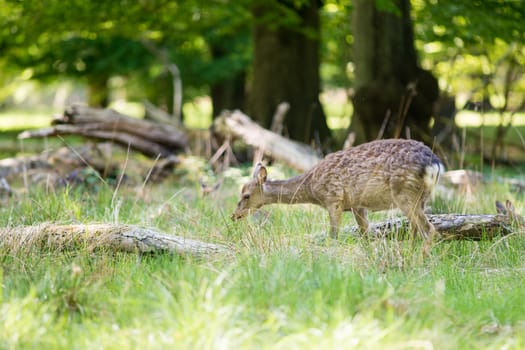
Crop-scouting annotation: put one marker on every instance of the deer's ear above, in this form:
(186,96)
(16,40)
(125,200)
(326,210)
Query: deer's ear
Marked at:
(260,174)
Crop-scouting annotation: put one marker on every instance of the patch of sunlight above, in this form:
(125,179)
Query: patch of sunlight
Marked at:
(337,122)
(132,109)
(197,113)
(471,118)
(337,108)
(18,119)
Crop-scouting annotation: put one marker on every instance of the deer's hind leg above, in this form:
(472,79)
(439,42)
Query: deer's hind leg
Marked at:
(361,217)
(419,223)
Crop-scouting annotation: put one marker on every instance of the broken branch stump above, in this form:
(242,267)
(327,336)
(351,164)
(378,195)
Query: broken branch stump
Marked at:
(239,126)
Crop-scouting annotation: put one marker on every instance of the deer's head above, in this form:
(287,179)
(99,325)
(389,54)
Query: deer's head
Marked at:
(252,196)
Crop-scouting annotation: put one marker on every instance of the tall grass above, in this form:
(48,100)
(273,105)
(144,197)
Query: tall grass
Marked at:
(280,290)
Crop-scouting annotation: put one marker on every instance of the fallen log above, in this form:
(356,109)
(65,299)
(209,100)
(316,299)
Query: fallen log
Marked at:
(474,227)
(237,125)
(120,238)
(150,138)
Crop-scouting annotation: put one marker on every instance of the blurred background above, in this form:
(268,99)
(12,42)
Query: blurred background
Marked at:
(435,70)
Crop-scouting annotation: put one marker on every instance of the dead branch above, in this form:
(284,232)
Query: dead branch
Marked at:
(160,116)
(239,126)
(278,118)
(120,238)
(100,132)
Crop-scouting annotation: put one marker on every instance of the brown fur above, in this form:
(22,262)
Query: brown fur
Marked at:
(378,175)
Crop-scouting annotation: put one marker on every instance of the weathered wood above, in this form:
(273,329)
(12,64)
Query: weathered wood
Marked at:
(474,227)
(147,137)
(278,118)
(100,132)
(239,126)
(111,120)
(158,115)
(123,238)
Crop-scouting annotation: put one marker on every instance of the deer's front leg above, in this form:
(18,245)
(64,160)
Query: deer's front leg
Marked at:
(335,211)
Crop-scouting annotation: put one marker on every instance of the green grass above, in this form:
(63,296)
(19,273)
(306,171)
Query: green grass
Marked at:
(280,289)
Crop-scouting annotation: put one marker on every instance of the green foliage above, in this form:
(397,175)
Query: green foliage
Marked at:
(131,39)
(476,48)
(336,35)
(388,6)
(474,22)
(464,43)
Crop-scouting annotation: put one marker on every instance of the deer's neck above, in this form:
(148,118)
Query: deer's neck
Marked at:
(293,190)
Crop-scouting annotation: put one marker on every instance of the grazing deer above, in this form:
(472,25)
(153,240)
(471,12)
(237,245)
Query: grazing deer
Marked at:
(378,175)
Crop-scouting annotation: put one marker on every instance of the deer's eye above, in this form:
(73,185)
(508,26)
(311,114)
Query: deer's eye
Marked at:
(246,196)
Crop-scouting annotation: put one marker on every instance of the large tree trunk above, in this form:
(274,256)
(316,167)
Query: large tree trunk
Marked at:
(229,92)
(286,69)
(392,93)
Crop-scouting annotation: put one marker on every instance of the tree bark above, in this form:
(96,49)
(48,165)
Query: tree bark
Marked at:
(228,92)
(286,69)
(392,93)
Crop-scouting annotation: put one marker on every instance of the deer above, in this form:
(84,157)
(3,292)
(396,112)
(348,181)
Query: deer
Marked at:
(374,176)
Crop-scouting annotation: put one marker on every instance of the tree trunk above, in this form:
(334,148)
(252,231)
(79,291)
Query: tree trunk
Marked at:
(392,93)
(227,91)
(228,94)
(286,69)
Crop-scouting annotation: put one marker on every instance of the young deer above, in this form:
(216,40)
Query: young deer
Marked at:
(378,175)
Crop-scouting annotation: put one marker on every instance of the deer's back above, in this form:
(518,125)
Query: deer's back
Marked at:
(374,174)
